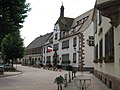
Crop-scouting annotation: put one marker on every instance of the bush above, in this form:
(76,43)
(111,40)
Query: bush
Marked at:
(49,65)
(41,65)
(59,66)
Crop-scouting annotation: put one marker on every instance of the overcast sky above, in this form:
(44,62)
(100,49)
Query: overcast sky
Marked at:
(44,14)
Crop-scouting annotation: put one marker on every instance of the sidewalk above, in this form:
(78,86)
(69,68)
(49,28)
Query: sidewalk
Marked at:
(96,84)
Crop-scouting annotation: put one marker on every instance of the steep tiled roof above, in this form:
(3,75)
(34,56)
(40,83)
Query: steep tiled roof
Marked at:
(85,19)
(39,41)
(64,23)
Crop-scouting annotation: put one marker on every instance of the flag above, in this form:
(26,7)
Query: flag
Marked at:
(50,49)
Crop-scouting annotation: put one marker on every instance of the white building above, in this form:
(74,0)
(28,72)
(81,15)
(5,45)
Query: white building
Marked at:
(107,42)
(34,51)
(73,40)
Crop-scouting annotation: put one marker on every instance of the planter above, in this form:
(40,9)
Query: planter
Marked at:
(108,61)
(100,60)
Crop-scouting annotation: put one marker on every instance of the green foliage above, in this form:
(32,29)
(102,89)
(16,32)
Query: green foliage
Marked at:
(12,46)
(109,59)
(12,15)
(59,80)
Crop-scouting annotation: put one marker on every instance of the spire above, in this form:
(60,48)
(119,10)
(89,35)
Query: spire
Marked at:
(62,11)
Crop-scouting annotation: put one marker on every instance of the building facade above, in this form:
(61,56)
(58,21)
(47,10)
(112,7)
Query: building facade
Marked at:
(70,44)
(34,51)
(107,42)
(73,41)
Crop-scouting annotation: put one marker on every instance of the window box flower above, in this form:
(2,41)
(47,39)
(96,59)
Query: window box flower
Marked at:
(95,61)
(109,59)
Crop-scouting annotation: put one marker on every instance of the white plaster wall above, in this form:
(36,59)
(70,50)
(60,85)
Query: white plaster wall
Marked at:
(69,51)
(88,50)
(117,51)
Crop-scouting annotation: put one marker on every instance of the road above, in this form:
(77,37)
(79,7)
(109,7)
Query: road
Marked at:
(31,79)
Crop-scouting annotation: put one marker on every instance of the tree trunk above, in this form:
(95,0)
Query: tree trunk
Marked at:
(12,62)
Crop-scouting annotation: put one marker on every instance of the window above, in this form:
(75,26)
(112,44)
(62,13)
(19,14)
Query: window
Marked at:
(100,30)
(101,48)
(51,40)
(81,21)
(56,46)
(100,18)
(65,58)
(95,25)
(56,36)
(109,42)
(74,57)
(43,49)
(48,60)
(63,34)
(90,41)
(44,59)
(96,52)
(65,44)
(74,42)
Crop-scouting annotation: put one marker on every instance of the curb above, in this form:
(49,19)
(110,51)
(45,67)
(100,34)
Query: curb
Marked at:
(2,76)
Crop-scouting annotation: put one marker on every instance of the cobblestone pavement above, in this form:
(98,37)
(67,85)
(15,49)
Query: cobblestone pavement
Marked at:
(96,84)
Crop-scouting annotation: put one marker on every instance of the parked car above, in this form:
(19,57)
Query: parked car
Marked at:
(7,67)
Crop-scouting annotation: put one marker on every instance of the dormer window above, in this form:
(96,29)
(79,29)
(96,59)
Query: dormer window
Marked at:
(63,34)
(74,42)
(56,36)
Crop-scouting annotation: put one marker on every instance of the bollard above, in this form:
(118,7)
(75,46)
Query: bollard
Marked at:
(69,77)
(72,75)
(66,83)
(82,83)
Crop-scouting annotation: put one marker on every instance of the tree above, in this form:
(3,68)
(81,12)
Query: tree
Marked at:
(12,15)
(12,47)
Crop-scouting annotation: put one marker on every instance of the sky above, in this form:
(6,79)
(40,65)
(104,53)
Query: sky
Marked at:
(44,14)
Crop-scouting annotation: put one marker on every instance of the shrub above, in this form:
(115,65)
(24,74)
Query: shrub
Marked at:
(59,66)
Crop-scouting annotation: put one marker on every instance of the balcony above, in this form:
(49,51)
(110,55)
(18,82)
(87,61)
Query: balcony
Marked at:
(110,9)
